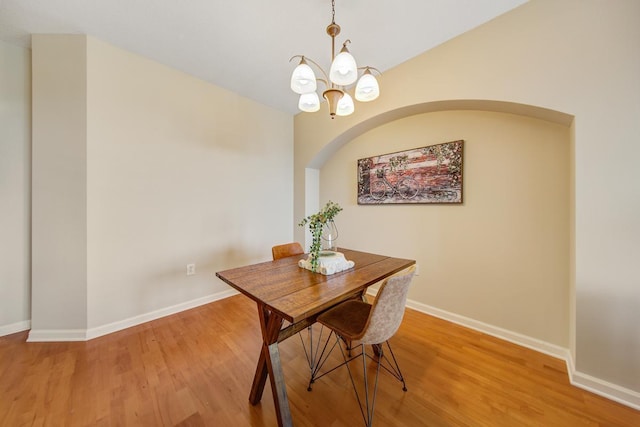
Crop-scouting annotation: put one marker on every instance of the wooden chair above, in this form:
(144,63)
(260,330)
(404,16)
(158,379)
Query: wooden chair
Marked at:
(286,250)
(359,323)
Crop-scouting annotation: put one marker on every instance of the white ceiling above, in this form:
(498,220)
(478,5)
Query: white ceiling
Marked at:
(245,45)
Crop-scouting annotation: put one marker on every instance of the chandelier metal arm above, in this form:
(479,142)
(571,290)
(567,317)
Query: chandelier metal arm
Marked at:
(368,67)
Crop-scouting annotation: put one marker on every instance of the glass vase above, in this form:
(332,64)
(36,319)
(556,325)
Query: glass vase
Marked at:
(329,236)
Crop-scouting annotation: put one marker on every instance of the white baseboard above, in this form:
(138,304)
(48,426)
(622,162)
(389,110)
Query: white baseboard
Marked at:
(15,327)
(606,389)
(49,335)
(505,334)
(600,387)
(57,335)
(143,318)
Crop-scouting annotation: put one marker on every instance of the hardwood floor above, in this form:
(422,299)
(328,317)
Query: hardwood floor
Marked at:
(195,369)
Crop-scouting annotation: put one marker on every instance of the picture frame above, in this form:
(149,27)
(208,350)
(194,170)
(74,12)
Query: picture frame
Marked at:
(425,175)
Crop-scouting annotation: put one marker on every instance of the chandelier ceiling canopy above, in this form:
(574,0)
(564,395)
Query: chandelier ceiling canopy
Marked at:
(343,73)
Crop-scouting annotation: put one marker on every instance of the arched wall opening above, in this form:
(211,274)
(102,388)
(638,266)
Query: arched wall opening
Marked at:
(502,257)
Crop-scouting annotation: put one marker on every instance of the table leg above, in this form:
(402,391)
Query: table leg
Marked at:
(269,365)
(259,380)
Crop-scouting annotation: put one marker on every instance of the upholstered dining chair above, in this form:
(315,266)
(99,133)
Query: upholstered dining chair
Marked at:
(356,323)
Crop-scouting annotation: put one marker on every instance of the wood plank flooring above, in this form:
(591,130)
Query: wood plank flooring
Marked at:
(195,369)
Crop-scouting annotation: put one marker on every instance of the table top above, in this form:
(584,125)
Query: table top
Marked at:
(297,294)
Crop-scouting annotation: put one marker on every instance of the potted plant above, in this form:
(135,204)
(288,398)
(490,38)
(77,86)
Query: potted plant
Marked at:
(316,223)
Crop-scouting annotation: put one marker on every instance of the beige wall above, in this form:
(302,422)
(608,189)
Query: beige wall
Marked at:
(576,57)
(180,171)
(15,188)
(166,169)
(59,189)
(502,257)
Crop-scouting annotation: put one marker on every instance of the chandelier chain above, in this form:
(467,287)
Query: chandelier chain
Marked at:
(333,11)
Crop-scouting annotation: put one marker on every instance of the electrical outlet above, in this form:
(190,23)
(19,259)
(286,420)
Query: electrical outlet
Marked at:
(417,269)
(191,269)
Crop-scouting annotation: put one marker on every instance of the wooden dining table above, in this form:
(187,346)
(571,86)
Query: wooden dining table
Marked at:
(284,291)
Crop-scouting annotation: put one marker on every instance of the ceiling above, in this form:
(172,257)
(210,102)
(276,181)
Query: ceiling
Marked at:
(245,45)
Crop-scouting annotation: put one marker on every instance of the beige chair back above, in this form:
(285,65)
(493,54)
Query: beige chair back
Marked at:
(388,308)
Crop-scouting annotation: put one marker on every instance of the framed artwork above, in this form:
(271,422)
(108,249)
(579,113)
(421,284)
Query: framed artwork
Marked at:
(430,175)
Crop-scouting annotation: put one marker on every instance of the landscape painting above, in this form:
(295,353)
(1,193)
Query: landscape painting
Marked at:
(426,175)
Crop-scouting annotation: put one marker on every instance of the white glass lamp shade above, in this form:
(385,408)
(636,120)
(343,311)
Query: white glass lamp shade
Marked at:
(345,105)
(303,79)
(309,102)
(367,88)
(344,70)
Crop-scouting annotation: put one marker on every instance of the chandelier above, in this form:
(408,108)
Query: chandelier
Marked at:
(342,75)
